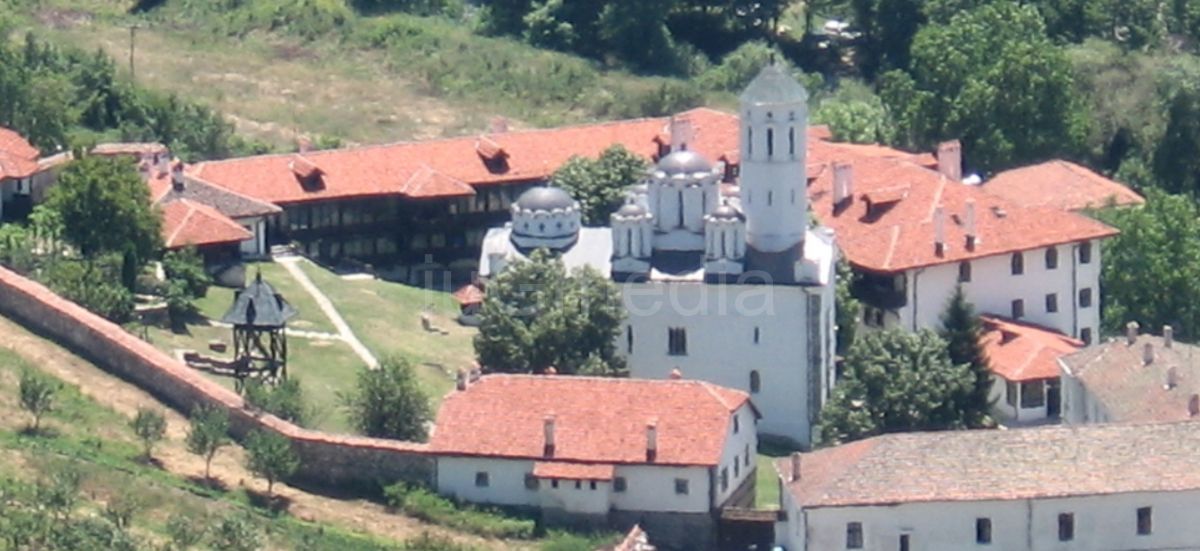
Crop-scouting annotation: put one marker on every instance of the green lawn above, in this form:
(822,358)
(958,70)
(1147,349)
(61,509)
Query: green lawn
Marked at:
(310,318)
(767,487)
(386,317)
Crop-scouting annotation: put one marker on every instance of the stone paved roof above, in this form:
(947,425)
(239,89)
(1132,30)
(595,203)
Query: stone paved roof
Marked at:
(979,465)
(1131,390)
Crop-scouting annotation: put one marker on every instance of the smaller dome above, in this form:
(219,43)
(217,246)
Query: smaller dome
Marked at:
(726,212)
(545,198)
(684,162)
(631,209)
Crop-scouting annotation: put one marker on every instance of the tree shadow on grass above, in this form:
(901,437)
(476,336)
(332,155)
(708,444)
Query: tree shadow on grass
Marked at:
(39,432)
(274,503)
(214,484)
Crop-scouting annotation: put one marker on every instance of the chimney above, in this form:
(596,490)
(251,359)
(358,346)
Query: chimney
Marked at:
(969,225)
(1148,354)
(796,463)
(651,441)
(1168,336)
(548,428)
(163,162)
(939,231)
(499,125)
(1131,332)
(1172,377)
(303,145)
(681,133)
(949,159)
(177,175)
(1194,405)
(676,374)
(460,379)
(144,170)
(475,373)
(843,183)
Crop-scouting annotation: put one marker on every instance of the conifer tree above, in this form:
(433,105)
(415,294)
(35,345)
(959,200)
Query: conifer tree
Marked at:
(963,330)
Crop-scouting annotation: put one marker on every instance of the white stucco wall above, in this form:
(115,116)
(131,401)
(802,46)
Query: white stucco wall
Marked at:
(1079,405)
(993,288)
(720,323)
(733,458)
(257,245)
(506,480)
(576,496)
(1105,522)
(652,488)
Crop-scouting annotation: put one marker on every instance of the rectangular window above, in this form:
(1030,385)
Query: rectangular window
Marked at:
(1085,253)
(1033,394)
(578,484)
(983,530)
(1145,523)
(964,272)
(1010,394)
(1066,526)
(903,542)
(1085,298)
(619,484)
(736,424)
(481,479)
(1018,263)
(531,482)
(746,456)
(591,484)
(677,341)
(1085,335)
(1051,258)
(1018,309)
(854,535)
(1051,303)
(554,483)
(724,478)
(681,486)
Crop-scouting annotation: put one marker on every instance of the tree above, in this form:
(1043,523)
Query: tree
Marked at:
(856,120)
(1151,270)
(187,266)
(235,533)
(270,456)
(388,402)
(847,308)
(537,316)
(185,531)
(209,432)
(284,399)
(105,208)
(888,27)
(894,381)
(599,185)
(150,426)
(37,396)
(963,330)
(1177,157)
(991,78)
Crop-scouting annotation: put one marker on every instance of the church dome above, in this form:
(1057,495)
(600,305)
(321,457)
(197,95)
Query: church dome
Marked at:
(630,210)
(545,198)
(684,162)
(773,86)
(726,212)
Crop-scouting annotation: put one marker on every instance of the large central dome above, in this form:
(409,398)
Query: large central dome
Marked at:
(684,162)
(545,198)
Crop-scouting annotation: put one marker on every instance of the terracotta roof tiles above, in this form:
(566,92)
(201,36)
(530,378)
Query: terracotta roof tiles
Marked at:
(596,420)
(186,222)
(1019,351)
(18,159)
(1115,374)
(573,471)
(1061,184)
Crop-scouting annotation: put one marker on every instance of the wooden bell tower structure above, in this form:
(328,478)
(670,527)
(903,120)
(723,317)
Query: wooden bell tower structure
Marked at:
(259,317)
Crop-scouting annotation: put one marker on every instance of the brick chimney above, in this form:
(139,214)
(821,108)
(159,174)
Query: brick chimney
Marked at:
(499,125)
(1168,336)
(1147,354)
(681,133)
(796,464)
(939,231)
(651,441)
(949,159)
(969,225)
(177,176)
(548,428)
(162,162)
(1172,378)
(303,145)
(675,374)
(843,184)
(1131,332)
(1194,405)
(460,379)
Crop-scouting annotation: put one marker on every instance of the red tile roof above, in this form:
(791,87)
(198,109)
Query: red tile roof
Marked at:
(527,156)
(1019,351)
(986,465)
(596,419)
(18,159)
(186,222)
(1060,184)
(130,148)
(469,294)
(1115,375)
(428,183)
(899,235)
(573,471)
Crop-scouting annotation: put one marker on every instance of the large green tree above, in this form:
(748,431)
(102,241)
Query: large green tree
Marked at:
(388,402)
(537,315)
(963,330)
(1151,270)
(1177,157)
(991,78)
(599,184)
(104,208)
(895,381)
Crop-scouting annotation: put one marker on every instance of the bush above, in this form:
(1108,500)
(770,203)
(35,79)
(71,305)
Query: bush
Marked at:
(388,402)
(150,426)
(37,395)
(97,288)
(284,400)
(570,541)
(186,266)
(423,504)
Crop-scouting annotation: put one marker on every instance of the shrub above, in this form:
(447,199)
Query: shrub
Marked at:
(235,533)
(186,266)
(150,426)
(270,456)
(208,433)
(421,503)
(37,395)
(284,400)
(388,402)
(96,287)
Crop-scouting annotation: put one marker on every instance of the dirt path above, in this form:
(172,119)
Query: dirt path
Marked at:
(327,307)
(125,398)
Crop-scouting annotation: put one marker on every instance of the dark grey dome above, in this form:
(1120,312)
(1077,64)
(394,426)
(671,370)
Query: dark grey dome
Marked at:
(545,198)
(631,209)
(684,162)
(726,212)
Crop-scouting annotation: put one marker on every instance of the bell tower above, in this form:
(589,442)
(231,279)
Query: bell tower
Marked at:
(774,117)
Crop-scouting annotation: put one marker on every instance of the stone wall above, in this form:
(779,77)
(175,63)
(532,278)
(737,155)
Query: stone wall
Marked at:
(326,459)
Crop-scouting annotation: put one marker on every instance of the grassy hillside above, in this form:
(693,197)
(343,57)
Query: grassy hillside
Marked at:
(278,67)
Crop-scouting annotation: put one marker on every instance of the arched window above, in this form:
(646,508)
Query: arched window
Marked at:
(629,339)
(756,335)
(770,197)
(770,142)
(791,140)
(541,227)
(1018,263)
(755,382)
(1052,258)
(749,141)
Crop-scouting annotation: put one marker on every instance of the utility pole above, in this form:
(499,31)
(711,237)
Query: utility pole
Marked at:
(132,45)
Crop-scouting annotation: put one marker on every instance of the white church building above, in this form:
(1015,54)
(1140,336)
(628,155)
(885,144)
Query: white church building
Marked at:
(732,286)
